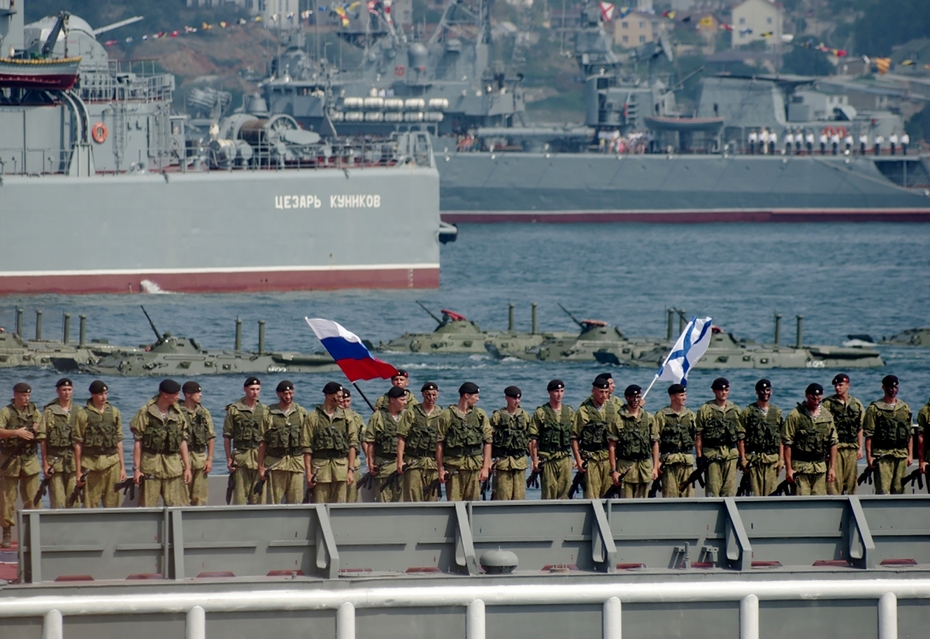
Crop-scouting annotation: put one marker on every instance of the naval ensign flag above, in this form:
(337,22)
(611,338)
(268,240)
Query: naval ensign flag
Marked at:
(689,348)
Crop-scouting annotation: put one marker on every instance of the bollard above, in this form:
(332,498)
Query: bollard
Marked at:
(66,331)
(38,325)
(749,617)
(52,625)
(196,626)
(888,616)
(345,621)
(535,319)
(238,346)
(261,337)
(475,620)
(612,626)
(82,331)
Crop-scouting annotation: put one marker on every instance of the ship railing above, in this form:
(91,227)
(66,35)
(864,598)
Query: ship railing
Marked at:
(37,161)
(116,84)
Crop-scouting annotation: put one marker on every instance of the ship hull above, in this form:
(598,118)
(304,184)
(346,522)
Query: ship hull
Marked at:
(221,231)
(527,187)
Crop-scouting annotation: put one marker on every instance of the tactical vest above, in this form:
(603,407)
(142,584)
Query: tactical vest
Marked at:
(199,433)
(162,438)
(676,433)
(720,429)
(101,435)
(464,437)
(811,440)
(847,419)
(633,438)
(283,438)
(892,430)
(763,431)
(331,438)
(58,433)
(421,438)
(555,435)
(593,436)
(510,436)
(22,447)
(246,431)
(386,438)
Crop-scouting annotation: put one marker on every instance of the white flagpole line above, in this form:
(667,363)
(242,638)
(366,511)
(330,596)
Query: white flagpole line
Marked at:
(651,384)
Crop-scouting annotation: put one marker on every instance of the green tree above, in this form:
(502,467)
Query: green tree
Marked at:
(804,61)
(885,24)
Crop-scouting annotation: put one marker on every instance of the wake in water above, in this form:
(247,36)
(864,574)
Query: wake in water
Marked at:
(151,288)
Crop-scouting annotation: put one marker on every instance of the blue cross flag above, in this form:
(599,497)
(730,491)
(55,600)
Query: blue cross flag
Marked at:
(689,348)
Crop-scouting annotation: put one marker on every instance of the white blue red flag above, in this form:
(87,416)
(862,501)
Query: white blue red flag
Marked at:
(349,352)
(689,348)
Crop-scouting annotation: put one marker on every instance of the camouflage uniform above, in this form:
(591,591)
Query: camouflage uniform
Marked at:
(242,427)
(287,439)
(419,431)
(848,419)
(353,494)
(635,437)
(810,439)
(509,450)
(161,438)
(382,433)
(58,424)
(99,433)
(201,432)
(463,438)
(720,429)
(553,435)
(592,429)
(889,428)
(331,437)
(923,425)
(763,440)
(676,449)
(21,476)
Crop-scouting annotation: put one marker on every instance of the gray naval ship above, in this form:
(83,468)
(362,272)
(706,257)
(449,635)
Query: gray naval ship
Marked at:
(101,191)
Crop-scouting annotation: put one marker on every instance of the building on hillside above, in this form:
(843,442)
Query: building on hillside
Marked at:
(637,28)
(755,20)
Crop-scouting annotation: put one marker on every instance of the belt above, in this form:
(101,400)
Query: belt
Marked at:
(99,450)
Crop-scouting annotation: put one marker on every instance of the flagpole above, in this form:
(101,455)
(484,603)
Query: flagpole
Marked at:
(363,396)
(651,384)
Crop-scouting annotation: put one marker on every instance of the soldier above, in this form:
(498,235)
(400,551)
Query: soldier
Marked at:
(676,426)
(463,443)
(58,446)
(893,142)
(550,434)
(863,142)
(161,462)
(810,445)
(765,453)
(719,440)
(400,379)
(241,434)
(923,451)
(905,140)
(789,141)
(416,445)
(888,443)
(879,141)
(823,142)
(333,448)
(590,435)
(634,448)
(98,449)
(284,451)
(614,401)
(381,437)
(511,445)
(353,495)
(753,139)
(848,414)
(809,142)
(200,446)
(20,432)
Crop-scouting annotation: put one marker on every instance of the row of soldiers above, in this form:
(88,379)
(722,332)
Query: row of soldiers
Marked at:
(767,141)
(413,448)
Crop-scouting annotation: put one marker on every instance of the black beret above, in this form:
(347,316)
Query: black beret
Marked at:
(190,388)
(468,388)
(284,385)
(512,391)
(22,387)
(675,389)
(720,383)
(555,384)
(332,388)
(169,386)
(763,384)
(890,380)
(814,389)
(604,376)
(632,390)
(600,382)
(97,387)
(346,392)
(428,386)
(64,381)
(401,373)
(252,381)
(396,391)
(840,378)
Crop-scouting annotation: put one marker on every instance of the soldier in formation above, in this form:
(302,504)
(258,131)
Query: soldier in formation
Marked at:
(200,447)
(810,444)
(58,417)
(511,426)
(334,445)
(20,432)
(240,441)
(161,462)
(677,427)
(719,440)
(381,438)
(463,446)
(590,438)
(284,449)
(888,442)
(550,443)
(345,401)
(764,457)
(98,449)
(634,446)
(848,415)
(417,435)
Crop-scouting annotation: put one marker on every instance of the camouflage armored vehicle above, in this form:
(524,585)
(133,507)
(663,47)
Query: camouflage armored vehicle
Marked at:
(170,355)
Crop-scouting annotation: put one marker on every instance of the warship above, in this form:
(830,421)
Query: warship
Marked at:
(170,355)
(272,208)
(908,337)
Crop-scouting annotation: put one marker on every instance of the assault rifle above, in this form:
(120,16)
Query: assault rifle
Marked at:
(43,488)
(366,482)
(656,487)
(697,475)
(308,491)
(787,487)
(916,477)
(533,480)
(128,487)
(579,482)
(231,483)
(614,491)
(745,486)
(866,475)
(435,486)
(486,488)
(392,481)
(78,491)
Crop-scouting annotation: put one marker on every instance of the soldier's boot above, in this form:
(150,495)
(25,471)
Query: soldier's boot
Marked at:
(7,538)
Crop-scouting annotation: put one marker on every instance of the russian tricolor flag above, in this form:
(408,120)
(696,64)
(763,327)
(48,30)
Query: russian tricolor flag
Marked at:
(349,352)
